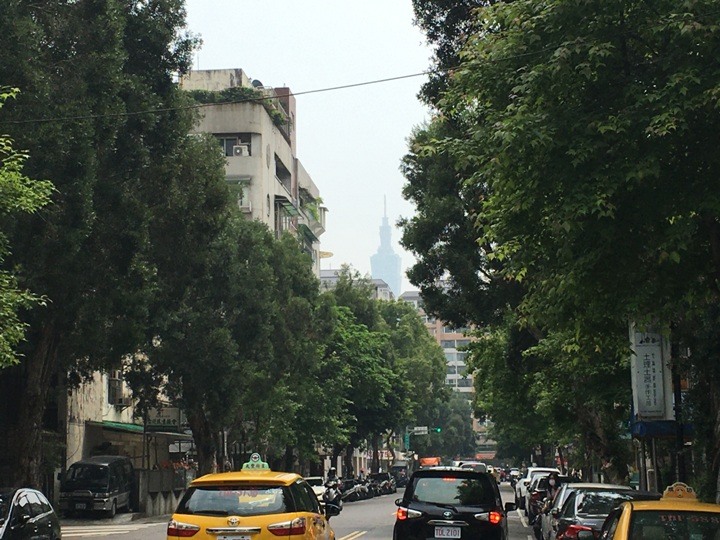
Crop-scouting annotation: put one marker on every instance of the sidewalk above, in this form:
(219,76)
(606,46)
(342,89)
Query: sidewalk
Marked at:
(119,519)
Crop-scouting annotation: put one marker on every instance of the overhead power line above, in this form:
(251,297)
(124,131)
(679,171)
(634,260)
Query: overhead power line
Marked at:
(201,105)
(128,114)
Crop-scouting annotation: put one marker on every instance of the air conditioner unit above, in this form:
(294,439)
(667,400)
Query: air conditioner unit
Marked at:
(123,401)
(241,150)
(245,206)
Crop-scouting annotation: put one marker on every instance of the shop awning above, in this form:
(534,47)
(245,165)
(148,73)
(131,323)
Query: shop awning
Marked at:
(117,426)
(137,428)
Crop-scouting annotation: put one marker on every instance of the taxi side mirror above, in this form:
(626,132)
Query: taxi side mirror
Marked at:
(509,507)
(398,502)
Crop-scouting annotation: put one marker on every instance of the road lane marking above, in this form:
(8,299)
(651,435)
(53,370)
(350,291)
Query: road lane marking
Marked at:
(353,535)
(522,519)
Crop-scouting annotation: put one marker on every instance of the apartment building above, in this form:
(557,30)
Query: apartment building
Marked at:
(256,134)
(453,341)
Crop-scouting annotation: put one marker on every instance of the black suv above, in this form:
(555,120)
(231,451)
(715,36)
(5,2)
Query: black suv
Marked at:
(449,502)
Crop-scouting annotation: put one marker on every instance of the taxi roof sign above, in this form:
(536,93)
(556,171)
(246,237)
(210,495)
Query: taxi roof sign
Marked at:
(679,490)
(255,464)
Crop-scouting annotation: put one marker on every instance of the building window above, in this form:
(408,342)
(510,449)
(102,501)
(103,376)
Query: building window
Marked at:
(115,387)
(228,142)
(462,343)
(464,383)
(447,343)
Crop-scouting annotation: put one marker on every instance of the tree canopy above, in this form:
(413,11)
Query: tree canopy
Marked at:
(579,142)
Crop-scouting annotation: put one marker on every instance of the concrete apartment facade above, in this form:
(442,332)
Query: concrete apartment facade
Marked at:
(260,148)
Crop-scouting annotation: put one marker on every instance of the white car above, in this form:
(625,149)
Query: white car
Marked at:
(523,483)
(317,483)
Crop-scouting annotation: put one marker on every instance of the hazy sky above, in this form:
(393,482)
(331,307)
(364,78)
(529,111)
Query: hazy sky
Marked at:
(350,140)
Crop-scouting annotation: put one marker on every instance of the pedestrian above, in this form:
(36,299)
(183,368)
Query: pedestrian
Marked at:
(554,484)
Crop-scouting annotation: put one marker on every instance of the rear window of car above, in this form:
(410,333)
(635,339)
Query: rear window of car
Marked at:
(597,503)
(455,490)
(245,500)
(649,525)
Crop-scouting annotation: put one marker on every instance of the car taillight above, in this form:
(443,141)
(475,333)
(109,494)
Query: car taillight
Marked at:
(572,532)
(406,513)
(288,528)
(495,517)
(182,530)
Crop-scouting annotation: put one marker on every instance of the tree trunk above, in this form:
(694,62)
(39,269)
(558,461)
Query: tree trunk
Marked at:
(349,470)
(289,459)
(375,441)
(388,444)
(204,442)
(33,382)
(600,443)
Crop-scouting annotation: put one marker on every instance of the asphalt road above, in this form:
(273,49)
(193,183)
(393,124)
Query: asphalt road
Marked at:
(372,519)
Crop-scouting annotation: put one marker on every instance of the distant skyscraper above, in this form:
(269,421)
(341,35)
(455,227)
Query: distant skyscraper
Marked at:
(385,264)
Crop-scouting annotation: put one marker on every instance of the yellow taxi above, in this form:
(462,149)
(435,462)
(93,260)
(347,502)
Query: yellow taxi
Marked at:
(676,516)
(252,504)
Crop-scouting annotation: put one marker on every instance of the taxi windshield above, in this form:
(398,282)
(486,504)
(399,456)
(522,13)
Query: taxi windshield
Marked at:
(675,525)
(244,500)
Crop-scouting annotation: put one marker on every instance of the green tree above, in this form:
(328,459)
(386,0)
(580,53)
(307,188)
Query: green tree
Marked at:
(456,437)
(18,194)
(418,361)
(90,74)
(590,130)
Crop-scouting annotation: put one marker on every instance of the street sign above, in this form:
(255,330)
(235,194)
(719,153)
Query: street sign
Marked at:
(420,430)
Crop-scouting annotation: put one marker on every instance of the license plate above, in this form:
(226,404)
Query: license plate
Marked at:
(232,537)
(447,532)
(79,506)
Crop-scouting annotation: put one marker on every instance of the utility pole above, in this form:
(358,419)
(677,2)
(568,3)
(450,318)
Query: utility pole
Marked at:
(680,474)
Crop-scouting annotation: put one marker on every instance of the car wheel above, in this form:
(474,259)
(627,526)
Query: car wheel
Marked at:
(113,510)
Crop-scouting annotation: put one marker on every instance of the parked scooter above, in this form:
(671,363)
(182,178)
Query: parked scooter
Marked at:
(350,490)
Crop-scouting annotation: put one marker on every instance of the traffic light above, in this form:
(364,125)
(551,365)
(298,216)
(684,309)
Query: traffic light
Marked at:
(437,429)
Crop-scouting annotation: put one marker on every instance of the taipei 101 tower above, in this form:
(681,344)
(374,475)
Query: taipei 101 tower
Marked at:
(385,264)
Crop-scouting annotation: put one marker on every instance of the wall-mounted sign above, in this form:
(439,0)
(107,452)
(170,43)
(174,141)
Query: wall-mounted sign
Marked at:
(166,419)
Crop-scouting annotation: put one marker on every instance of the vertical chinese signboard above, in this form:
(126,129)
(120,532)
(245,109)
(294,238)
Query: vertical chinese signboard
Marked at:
(651,377)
